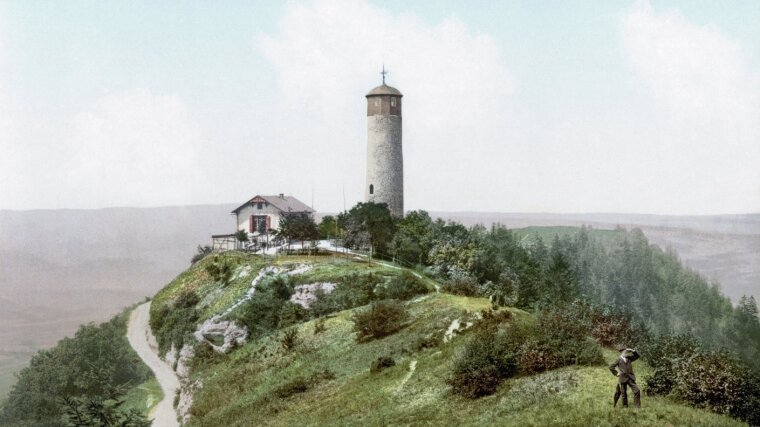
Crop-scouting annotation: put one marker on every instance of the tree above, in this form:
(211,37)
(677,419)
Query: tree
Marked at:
(328,227)
(300,226)
(413,239)
(241,236)
(368,226)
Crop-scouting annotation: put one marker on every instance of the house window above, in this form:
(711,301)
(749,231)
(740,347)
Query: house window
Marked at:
(371,189)
(393,101)
(259,224)
(259,205)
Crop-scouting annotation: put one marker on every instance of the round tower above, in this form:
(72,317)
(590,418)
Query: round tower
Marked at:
(385,161)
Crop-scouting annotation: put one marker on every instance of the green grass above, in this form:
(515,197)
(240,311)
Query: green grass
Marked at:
(246,386)
(242,387)
(144,397)
(215,297)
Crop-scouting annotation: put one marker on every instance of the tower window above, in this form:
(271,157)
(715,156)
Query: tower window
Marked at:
(371,189)
(393,101)
(377,102)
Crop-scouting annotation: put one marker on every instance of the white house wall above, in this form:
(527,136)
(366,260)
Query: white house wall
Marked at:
(245,213)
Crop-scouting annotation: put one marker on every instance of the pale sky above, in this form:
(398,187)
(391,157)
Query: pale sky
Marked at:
(515,106)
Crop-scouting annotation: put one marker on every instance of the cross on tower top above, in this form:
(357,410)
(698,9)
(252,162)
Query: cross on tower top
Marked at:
(383,73)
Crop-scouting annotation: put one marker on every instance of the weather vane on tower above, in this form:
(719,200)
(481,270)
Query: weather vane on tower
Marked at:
(383,73)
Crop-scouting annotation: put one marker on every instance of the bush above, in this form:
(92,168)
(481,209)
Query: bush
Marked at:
(402,287)
(381,363)
(302,384)
(173,325)
(536,357)
(319,326)
(290,340)
(427,341)
(568,337)
(483,364)
(381,319)
(714,380)
(465,286)
(270,307)
(220,270)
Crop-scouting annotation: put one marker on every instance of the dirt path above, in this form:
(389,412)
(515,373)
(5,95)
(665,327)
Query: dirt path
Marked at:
(140,338)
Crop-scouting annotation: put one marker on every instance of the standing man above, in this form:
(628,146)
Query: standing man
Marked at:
(622,368)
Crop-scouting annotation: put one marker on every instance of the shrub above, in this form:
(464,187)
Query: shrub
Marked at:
(302,384)
(568,337)
(465,285)
(715,380)
(294,386)
(289,340)
(186,299)
(173,325)
(381,363)
(220,270)
(536,357)
(426,341)
(381,319)
(269,308)
(319,326)
(402,287)
(484,363)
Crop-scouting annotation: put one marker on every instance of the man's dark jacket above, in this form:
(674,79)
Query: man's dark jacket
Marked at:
(625,367)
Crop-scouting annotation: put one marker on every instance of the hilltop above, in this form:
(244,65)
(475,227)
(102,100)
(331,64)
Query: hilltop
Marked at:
(63,268)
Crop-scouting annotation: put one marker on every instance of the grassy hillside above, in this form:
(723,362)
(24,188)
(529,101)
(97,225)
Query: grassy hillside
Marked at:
(325,379)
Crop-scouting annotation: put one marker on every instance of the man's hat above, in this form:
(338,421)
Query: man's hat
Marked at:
(621,347)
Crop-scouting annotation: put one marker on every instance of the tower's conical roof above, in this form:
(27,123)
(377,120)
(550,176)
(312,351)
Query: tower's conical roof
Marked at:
(384,89)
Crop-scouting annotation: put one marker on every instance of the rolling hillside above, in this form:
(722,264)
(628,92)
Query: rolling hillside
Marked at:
(323,376)
(63,268)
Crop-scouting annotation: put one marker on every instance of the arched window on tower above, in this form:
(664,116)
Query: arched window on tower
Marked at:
(393,101)
(371,189)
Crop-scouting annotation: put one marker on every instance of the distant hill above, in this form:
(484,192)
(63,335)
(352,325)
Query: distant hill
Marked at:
(63,268)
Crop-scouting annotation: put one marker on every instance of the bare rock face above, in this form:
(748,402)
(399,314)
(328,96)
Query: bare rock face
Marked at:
(221,335)
(183,361)
(304,295)
(186,399)
(171,356)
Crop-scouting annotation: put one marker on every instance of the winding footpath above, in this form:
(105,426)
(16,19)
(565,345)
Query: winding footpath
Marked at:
(140,338)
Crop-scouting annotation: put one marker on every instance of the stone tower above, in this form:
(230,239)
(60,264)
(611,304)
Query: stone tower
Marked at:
(385,161)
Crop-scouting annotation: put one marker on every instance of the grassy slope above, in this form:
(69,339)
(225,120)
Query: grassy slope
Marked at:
(239,388)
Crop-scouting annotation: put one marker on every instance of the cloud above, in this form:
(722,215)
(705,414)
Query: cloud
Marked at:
(705,101)
(327,56)
(133,148)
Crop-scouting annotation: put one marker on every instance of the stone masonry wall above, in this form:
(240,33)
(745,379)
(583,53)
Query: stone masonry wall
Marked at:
(385,163)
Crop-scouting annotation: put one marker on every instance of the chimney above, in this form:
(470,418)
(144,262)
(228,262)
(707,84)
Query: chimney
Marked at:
(282,195)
